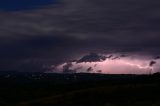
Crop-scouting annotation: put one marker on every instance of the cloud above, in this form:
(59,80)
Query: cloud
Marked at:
(123,55)
(56,33)
(157,57)
(90,69)
(132,64)
(152,63)
(67,68)
(99,71)
(92,57)
(114,58)
(110,56)
(85,19)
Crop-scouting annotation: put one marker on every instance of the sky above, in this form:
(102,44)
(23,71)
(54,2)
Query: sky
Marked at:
(18,5)
(53,35)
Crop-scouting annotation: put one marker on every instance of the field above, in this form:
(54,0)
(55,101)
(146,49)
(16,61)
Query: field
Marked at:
(36,89)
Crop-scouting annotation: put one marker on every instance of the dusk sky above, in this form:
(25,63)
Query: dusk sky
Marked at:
(94,36)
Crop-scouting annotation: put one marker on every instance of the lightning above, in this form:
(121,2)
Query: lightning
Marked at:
(139,66)
(128,65)
(150,68)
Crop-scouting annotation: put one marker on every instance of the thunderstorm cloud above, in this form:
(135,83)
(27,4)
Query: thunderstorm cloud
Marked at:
(38,35)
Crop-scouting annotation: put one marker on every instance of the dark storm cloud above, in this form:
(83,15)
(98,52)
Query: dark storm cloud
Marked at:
(99,71)
(114,58)
(110,56)
(152,63)
(90,69)
(124,24)
(72,27)
(123,55)
(107,19)
(157,57)
(92,57)
(66,68)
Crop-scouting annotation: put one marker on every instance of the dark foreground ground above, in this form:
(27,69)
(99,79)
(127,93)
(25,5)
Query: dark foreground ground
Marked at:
(37,89)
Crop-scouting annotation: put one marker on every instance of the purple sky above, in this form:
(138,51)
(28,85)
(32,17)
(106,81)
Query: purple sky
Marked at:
(112,64)
(44,34)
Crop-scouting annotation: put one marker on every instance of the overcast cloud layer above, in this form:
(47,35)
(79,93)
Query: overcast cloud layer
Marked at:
(31,39)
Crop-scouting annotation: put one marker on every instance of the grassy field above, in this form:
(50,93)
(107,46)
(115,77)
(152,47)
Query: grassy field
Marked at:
(116,95)
(95,91)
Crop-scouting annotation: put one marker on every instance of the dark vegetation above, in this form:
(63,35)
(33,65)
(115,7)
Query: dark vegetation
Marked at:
(41,89)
